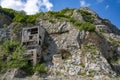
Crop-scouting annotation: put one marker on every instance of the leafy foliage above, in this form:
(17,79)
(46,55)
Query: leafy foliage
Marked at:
(32,18)
(8,47)
(84,26)
(40,68)
(19,16)
(14,51)
(9,12)
(87,16)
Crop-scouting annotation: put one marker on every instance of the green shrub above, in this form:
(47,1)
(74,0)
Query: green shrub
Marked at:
(40,68)
(17,64)
(65,10)
(84,26)
(81,73)
(83,65)
(8,47)
(87,16)
(32,18)
(78,24)
(3,66)
(15,51)
(58,15)
(71,20)
(20,16)
(9,12)
(92,73)
(58,73)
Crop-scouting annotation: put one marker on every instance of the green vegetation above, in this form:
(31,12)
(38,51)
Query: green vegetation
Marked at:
(65,14)
(89,48)
(58,15)
(114,41)
(12,55)
(9,12)
(19,16)
(81,73)
(12,52)
(92,73)
(84,26)
(40,68)
(58,73)
(87,16)
(83,65)
(118,76)
(87,26)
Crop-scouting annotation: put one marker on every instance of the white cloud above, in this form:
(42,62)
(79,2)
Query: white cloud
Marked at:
(100,1)
(17,5)
(84,4)
(30,6)
(107,6)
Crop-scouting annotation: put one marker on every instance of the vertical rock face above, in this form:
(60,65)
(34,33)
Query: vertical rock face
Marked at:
(89,51)
(4,20)
(4,34)
(77,15)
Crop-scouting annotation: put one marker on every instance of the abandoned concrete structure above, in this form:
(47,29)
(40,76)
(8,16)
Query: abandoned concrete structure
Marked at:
(57,59)
(32,39)
(101,27)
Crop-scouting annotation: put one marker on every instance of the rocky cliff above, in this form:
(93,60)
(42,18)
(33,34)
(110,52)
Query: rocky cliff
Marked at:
(78,45)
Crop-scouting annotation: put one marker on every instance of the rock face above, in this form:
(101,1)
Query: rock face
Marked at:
(4,20)
(10,74)
(81,54)
(89,51)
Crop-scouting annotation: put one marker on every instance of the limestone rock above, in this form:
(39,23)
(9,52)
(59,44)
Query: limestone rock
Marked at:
(4,20)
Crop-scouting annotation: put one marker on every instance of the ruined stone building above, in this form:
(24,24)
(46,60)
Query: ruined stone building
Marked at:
(57,59)
(101,27)
(32,39)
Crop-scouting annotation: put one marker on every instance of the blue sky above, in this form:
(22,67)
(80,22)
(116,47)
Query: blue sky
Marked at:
(109,9)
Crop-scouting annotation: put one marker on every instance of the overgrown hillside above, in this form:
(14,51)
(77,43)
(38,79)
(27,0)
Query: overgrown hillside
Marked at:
(87,46)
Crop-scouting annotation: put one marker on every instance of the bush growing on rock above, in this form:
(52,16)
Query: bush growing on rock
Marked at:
(19,16)
(87,16)
(14,53)
(40,68)
(84,26)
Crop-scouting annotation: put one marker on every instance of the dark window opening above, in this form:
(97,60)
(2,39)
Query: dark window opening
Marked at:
(30,37)
(31,43)
(32,52)
(39,37)
(30,62)
(24,43)
(34,31)
(31,47)
(108,50)
(39,42)
(38,55)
